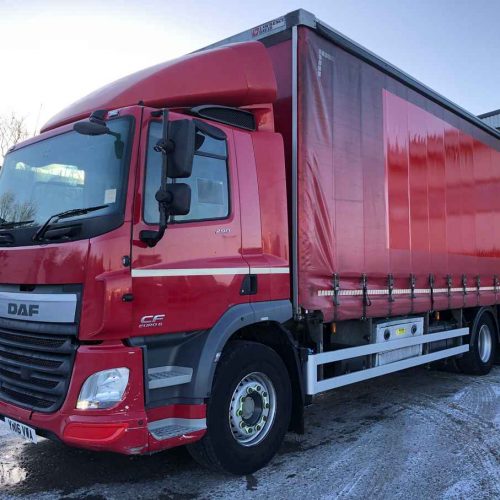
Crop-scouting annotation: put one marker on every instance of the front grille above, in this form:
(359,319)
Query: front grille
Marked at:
(35,368)
(24,399)
(47,363)
(38,340)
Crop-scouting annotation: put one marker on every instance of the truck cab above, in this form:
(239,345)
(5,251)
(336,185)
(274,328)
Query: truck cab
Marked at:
(115,303)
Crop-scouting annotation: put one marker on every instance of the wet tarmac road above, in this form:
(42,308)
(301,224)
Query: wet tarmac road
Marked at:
(417,434)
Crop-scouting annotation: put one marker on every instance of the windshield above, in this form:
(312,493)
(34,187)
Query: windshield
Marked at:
(65,172)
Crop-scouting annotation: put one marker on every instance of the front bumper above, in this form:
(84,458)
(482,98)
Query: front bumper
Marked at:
(124,428)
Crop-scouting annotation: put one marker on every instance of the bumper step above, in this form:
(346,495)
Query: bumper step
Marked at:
(169,428)
(167,376)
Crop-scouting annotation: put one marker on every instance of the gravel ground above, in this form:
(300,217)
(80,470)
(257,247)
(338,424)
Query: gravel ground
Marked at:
(416,434)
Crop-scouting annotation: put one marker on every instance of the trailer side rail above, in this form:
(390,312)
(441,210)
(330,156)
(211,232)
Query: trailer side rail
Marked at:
(315,386)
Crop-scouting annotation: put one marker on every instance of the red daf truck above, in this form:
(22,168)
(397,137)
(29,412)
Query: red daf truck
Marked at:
(189,254)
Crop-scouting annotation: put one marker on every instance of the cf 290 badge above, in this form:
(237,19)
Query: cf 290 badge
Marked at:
(152,320)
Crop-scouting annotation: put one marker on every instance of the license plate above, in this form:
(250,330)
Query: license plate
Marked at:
(26,432)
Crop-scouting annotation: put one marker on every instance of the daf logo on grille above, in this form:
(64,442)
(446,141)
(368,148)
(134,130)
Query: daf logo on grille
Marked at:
(22,309)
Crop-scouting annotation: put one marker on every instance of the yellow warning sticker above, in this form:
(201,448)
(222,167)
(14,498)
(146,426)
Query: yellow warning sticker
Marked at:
(400,331)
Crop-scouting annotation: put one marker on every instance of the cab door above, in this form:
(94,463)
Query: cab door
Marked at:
(196,271)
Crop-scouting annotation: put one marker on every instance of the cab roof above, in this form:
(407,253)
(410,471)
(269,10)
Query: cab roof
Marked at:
(238,74)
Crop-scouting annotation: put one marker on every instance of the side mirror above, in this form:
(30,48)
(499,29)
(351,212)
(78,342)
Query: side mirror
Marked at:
(176,198)
(182,140)
(94,128)
(177,146)
(90,128)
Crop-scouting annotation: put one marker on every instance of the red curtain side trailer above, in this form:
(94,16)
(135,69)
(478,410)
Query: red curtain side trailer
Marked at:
(395,185)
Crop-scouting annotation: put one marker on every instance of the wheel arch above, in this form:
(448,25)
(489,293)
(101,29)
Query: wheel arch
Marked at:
(474,315)
(263,323)
(236,319)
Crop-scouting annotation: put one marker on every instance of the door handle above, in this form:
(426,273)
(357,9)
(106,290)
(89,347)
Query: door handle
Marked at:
(249,285)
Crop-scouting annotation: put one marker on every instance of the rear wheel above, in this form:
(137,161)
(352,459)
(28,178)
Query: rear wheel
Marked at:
(249,411)
(482,348)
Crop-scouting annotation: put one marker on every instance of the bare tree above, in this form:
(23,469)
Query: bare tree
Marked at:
(12,131)
(13,211)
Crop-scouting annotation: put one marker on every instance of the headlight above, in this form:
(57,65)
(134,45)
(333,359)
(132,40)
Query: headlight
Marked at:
(103,389)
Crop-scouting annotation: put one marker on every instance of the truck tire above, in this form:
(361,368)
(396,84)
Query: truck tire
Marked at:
(249,410)
(482,348)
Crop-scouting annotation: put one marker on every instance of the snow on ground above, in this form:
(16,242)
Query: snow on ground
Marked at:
(416,434)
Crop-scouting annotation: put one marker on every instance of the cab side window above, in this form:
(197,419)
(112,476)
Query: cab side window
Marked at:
(209,180)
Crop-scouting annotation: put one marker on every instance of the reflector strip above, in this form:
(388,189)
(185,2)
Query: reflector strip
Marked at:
(402,291)
(211,271)
(269,270)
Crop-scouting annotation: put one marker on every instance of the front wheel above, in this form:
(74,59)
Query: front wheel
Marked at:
(482,347)
(249,411)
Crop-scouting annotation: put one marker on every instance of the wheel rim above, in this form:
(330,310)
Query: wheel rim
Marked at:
(484,343)
(252,409)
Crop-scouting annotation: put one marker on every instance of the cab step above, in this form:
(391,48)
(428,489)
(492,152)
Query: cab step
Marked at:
(167,376)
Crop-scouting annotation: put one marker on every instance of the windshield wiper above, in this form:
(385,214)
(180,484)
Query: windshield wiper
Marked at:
(10,225)
(64,215)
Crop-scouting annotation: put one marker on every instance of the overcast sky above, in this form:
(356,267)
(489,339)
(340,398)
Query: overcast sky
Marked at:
(54,52)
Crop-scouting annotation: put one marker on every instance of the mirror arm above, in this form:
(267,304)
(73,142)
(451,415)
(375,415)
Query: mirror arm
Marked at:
(163,147)
(151,238)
